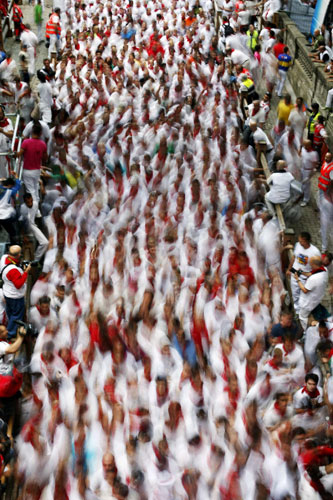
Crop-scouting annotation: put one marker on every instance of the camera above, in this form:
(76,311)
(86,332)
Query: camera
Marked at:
(29,328)
(32,263)
(296,271)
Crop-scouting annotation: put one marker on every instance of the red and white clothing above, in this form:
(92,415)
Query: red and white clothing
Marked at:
(14,278)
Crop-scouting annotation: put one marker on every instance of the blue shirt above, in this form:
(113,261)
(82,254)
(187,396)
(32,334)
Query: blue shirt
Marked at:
(284,62)
(14,190)
(187,351)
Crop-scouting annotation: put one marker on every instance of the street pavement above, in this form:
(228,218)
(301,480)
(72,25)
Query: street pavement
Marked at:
(28,18)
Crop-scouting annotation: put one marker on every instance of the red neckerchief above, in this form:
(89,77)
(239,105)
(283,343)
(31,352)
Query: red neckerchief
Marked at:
(199,392)
(12,260)
(319,270)
(278,410)
(4,123)
(313,394)
(249,377)
(71,362)
(265,388)
(233,397)
(109,389)
(44,315)
(285,353)
(226,371)
(290,139)
(273,364)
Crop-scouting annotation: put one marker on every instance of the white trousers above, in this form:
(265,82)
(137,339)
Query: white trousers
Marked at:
(32,60)
(329,98)
(296,291)
(281,82)
(326,221)
(54,45)
(40,32)
(42,241)
(304,318)
(46,112)
(31,182)
(306,182)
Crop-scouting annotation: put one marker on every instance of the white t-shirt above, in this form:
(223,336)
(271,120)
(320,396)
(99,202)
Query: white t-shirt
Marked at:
(279,184)
(309,159)
(6,364)
(303,255)
(316,284)
(302,400)
(297,120)
(259,135)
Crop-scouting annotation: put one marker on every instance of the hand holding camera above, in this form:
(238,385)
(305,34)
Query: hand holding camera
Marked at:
(22,331)
(27,265)
(297,272)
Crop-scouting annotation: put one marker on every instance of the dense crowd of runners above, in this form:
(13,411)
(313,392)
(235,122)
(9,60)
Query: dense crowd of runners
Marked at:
(163,359)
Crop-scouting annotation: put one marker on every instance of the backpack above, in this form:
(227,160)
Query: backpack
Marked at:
(2,270)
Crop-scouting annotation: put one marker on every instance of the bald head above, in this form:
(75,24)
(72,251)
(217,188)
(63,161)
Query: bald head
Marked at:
(315,262)
(15,250)
(280,165)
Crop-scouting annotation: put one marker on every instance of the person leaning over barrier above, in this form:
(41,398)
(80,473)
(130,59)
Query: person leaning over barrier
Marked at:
(14,287)
(279,187)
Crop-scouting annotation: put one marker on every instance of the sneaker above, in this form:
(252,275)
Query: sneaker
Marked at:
(303,204)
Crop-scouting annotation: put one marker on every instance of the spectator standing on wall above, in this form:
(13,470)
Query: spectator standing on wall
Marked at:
(14,287)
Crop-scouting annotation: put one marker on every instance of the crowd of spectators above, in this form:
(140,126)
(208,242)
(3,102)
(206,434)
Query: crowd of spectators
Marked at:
(161,357)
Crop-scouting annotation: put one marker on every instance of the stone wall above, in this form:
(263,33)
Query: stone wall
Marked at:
(308,79)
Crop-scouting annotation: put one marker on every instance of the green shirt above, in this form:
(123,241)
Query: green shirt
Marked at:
(38,11)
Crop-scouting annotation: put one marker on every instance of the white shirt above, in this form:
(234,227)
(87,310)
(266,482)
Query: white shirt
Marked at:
(297,120)
(316,286)
(309,159)
(279,183)
(303,255)
(259,135)
(45,94)
(5,360)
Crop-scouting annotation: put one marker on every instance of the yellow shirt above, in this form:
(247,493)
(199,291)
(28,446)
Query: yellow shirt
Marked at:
(283,111)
